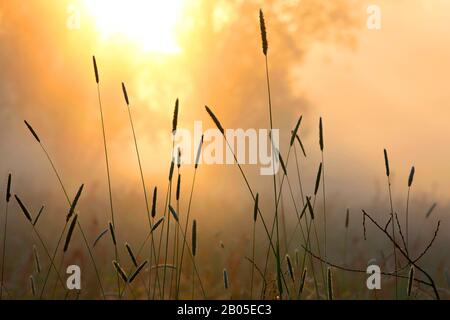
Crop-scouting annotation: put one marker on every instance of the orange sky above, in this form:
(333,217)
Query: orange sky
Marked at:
(374,89)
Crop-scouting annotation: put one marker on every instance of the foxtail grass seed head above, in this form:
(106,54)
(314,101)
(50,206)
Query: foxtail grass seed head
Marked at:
(329,284)
(32,286)
(70,232)
(32,131)
(302,282)
(194,238)
(225,279)
(95,69)
(386,163)
(8,188)
(410,281)
(294,132)
(178,187)
(310,208)
(262,26)
(131,254)
(433,206)
(319,174)
(411,176)
(38,216)
(199,153)
(99,237)
(155,196)
(120,271)
(290,267)
(37,261)
(125,94)
(113,234)
(156,225)
(175,117)
(255,208)
(138,270)
(74,202)
(171,170)
(347,218)
(215,120)
(303,210)
(364,225)
(23,208)
(283,166)
(320,134)
(301,144)
(174,213)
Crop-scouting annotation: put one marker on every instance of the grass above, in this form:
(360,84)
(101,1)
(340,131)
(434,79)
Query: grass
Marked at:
(388,175)
(255,218)
(269,100)
(108,174)
(149,214)
(175,278)
(5,235)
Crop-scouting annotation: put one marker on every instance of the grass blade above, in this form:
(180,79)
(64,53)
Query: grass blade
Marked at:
(120,271)
(125,94)
(262,26)
(215,120)
(410,281)
(99,237)
(386,163)
(32,131)
(75,202)
(174,213)
(411,176)
(294,133)
(319,174)
(194,238)
(138,270)
(95,69)
(113,234)
(37,261)
(156,225)
(38,216)
(70,232)
(155,196)
(132,255)
(329,284)
(24,209)
(8,188)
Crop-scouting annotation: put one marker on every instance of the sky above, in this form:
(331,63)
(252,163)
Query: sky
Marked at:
(374,89)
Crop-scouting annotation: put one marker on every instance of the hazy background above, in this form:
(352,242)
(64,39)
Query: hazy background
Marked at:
(374,89)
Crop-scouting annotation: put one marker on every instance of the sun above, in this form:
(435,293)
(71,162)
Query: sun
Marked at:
(147,23)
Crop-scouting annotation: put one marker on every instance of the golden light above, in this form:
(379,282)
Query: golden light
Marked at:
(147,23)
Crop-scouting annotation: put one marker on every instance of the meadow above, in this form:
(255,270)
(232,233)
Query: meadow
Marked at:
(291,243)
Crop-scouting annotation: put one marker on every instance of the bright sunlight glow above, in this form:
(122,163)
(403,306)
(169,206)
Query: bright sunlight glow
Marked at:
(148,23)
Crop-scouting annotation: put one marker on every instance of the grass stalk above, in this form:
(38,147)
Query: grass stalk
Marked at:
(321,144)
(388,175)
(180,267)
(108,174)
(255,217)
(144,189)
(55,171)
(5,237)
(38,235)
(410,181)
(247,183)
